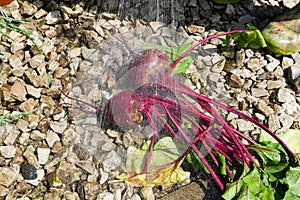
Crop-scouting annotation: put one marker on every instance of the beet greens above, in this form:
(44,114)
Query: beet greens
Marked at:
(167,104)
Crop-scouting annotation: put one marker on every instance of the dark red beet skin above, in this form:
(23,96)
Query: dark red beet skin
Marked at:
(146,66)
(122,110)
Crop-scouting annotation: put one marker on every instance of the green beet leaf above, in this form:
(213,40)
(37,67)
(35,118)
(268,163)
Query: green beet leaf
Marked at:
(293,181)
(195,161)
(166,50)
(290,137)
(250,39)
(162,169)
(182,66)
(165,151)
(178,51)
(250,186)
(185,63)
(282,34)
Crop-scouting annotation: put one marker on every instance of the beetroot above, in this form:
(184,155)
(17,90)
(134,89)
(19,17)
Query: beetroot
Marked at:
(122,110)
(165,102)
(145,67)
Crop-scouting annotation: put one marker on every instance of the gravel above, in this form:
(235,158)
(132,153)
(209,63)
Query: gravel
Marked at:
(61,153)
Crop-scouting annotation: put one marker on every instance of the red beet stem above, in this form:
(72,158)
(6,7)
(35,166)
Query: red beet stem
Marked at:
(198,44)
(180,87)
(151,99)
(228,129)
(80,101)
(238,143)
(197,151)
(154,138)
(162,122)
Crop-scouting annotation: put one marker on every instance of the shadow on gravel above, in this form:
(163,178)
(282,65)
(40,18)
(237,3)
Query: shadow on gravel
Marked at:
(184,12)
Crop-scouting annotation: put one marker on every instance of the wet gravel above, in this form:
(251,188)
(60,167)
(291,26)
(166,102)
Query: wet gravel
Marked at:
(67,155)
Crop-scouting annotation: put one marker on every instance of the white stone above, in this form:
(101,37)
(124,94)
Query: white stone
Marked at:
(70,137)
(16,46)
(43,155)
(286,95)
(18,91)
(24,137)
(75,52)
(112,161)
(244,125)
(51,138)
(274,2)
(291,107)
(37,60)
(231,116)
(287,62)
(286,121)
(254,64)
(273,122)
(290,3)
(147,193)
(135,197)
(259,92)
(35,92)
(40,13)
(8,151)
(37,135)
(22,125)
(72,12)
(53,17)
(264,107)
(156,25)
(13,134)
(259,116)
(108,146)
(31,157)
(59,127)
(15,61)
(103,176)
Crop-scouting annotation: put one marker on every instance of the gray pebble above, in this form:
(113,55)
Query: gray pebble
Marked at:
(28,171)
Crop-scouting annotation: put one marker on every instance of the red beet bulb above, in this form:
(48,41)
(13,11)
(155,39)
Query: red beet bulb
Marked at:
(145,67)
(122,110)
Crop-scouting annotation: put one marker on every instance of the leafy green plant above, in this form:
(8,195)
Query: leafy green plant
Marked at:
(253,38)
(275,178)
(281,36)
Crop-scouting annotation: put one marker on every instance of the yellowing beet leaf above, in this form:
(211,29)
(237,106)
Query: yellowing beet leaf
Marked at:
(162,169)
